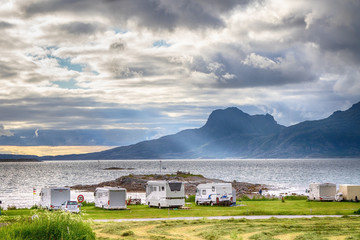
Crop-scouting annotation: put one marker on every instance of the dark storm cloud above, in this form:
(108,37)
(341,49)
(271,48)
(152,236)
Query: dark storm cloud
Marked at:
(4,25)
(155,14)
(79,28)
(7,71)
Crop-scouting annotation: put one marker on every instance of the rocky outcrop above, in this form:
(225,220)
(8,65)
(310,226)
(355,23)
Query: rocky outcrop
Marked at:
(137,183)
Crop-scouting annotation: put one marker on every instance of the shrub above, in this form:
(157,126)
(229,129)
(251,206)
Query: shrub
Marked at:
(48,225)
(357,211)
(87,204)
(11,207)
(190,198)
(296,197)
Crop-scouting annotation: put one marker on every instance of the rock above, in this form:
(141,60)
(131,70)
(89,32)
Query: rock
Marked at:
(137,183)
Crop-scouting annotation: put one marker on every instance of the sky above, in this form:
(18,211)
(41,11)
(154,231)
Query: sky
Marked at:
(159,66)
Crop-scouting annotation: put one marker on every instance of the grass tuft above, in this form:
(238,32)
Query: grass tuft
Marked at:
(48,225)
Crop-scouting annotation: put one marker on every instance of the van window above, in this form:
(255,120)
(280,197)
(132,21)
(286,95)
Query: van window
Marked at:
(162,188)
(213,188)
(203,192)
(175,186)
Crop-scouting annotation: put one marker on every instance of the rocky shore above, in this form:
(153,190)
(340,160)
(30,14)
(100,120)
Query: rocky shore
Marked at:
(137,183)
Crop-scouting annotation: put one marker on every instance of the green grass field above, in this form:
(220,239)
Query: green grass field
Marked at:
(280,229)
(298,229)
(276,207)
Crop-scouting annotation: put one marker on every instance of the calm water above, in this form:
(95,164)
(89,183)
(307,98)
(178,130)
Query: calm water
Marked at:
(287,175)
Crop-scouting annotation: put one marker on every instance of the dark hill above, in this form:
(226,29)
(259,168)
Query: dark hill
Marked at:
(231,133)
(335,136)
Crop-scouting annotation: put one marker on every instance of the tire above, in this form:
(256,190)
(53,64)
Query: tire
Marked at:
(211,204)
(159,206)
(197,203)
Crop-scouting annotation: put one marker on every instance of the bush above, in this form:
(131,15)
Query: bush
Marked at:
(296,197)
(87,204)
(48,225)
(190,198)
(357,211)
(257,198)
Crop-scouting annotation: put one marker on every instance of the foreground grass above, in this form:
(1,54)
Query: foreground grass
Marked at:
(298,229)
(291,207)
(47,225)
(276,207)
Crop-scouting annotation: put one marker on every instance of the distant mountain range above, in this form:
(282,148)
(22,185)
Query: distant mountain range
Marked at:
(231,133)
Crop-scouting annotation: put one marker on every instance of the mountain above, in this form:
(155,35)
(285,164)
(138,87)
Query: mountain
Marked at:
(231,133)
(335,136)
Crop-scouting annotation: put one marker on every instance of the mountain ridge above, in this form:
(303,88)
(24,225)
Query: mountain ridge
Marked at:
(232,133)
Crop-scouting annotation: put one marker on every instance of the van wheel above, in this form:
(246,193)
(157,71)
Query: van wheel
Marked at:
(211,204)
(197,203)
(149,204)
(159,206)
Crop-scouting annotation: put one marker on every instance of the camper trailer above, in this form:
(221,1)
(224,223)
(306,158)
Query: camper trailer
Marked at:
(350,192)
(110,198)
(165,194)
(53,197)
(215,194)
(322,191)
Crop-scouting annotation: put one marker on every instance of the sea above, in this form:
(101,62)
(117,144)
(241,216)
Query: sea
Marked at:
(21,183)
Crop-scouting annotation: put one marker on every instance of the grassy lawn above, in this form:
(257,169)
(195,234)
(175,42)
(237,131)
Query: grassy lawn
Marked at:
(281,229)
(289,207)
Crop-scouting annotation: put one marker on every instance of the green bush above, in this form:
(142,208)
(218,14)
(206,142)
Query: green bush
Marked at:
(357,211)
(190,198)
(87,204)
(257,198)
(296,197)
(48,225)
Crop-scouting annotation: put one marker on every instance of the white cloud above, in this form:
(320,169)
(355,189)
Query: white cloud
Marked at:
(264,53)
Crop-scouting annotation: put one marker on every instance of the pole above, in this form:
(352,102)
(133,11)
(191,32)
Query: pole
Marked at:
(160,166)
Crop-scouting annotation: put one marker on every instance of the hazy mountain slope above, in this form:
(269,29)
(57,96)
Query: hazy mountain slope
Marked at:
(233,133)
(230,124)
(335,136)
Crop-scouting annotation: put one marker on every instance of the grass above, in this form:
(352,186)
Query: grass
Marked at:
(47,225)
(274,207)
(298,229)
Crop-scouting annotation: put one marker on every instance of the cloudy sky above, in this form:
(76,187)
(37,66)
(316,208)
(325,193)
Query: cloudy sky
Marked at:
(160,66)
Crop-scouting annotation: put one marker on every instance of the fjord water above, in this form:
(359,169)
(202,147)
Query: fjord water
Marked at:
(17,180)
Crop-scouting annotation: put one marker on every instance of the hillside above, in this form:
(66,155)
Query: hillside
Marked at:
(231,133)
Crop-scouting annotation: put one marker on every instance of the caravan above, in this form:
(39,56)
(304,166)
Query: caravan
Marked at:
(53,197)
(165,194)
(215,193)
(349,192)
(110,198)
(322,191)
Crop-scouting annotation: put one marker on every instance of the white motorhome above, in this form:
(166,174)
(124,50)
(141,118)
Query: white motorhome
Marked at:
(53,197)
(349,192)
(322,191)
(110,198)
(215,194)
(165,194)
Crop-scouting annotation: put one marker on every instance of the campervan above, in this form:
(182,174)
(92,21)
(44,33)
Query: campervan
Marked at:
(53,197)
(110,198)
(165,194)
(349,192)
(322,191)
(215,194)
